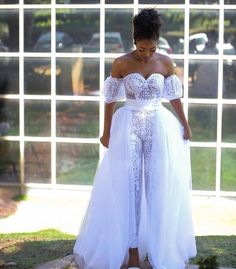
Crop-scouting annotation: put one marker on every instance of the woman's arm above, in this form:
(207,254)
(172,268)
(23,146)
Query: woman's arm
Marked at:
(110,107)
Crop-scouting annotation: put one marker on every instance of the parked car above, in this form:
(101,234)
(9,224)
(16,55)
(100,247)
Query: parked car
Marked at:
(113,42)
(164,46)
(43,44)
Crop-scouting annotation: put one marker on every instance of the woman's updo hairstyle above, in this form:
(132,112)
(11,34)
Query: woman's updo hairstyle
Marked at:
(146,25)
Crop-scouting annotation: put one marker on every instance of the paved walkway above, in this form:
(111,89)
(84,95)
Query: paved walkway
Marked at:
(64,211)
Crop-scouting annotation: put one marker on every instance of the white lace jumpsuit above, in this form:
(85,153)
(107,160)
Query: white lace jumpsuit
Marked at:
(135,87)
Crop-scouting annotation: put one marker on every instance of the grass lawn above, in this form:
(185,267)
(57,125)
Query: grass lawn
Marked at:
(31,249)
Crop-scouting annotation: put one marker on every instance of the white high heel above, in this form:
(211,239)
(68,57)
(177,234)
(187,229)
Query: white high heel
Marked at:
(134,268)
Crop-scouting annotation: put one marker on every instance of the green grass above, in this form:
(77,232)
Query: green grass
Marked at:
(31,249)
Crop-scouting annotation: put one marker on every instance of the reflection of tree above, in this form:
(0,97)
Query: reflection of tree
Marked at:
(229,80)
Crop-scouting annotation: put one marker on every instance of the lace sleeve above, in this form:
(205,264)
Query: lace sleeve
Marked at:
(113,89)
(172,88)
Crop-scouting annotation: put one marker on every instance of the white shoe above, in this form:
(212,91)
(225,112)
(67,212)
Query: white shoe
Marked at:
(134,268)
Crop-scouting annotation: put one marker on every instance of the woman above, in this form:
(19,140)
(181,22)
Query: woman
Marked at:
(140,203)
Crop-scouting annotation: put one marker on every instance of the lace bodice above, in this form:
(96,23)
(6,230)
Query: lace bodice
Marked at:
(135,86)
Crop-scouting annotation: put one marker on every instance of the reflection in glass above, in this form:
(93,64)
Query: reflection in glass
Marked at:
(229,82)
(230,2)
(203,122)
(37,117)
(37,31)
(8,2)
(9,161)
(76,29)
(37,75)
(229,123)
(9,30)
(9,117)
(228,170)
(77,119)
(229,46)
(37,162)
(204,31)
(77,76)
(37,2)
(203,161)
(207,2)
(161,2)
(77,1)
(203,78)
(118,36)
(172,31)
(9,75)
(76,163)
(119,1)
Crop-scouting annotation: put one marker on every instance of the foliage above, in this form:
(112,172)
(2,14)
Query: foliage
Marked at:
(209,262)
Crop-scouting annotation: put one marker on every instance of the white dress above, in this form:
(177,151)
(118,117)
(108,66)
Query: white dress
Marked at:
(141,192)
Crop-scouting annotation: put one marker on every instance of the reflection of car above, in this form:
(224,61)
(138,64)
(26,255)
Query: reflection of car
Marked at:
(63,41)
(3,48)
(163,45)
(113,42)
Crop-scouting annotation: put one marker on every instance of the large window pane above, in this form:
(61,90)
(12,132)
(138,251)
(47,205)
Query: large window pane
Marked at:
(76,163)
(77,76)
(203,122)
(77,119)
(203,161)
(231,2)
(9,30)
(37,118)
(9,75)
(76,29)
(229,32)
(118,35)
(172,31)
(77,1)
(208,2)
(9,117)
(161,2)
(229,81)
(204,30)
(228,170)
(229,123)
(37,2)
(203,79)
(9,2)
(37,75)
(37,162)
(37,30)
(9,161)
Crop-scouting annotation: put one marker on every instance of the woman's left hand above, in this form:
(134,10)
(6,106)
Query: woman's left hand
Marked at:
(187,132)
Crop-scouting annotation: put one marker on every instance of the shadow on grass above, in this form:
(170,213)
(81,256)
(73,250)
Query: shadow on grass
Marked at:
(30,249)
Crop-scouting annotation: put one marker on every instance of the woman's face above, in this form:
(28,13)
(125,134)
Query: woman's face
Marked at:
(145,49)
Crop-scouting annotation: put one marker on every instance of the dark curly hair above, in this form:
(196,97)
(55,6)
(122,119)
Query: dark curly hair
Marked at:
(146,24)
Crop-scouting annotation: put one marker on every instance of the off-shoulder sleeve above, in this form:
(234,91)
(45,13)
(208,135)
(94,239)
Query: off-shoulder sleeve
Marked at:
(113,89)
(172,88)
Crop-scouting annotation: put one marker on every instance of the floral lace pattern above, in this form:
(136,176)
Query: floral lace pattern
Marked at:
(135,86)
(141,141)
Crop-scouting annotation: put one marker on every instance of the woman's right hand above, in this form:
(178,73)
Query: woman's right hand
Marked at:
(105,140)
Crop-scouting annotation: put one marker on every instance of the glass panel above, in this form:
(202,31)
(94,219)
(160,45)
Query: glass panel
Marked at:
(76,163)
(76,29)
(9,30)
(208,2)
(229,123)
(204,30)
(37,30)
(161,2)
(9,2)
(37,2)
(9,75)
(118,35)
(203,121)
(229,82)
(9,161)
(203,161)
(77,1)
(228,170)
(119,1)
(203,79)
(230,2)
(172,31)
(37,75)
(77,119)
(9,117)
(77,76)
(37,162)
(37,118)
(229,46)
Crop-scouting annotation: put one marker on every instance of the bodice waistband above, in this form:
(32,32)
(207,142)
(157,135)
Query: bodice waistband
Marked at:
(139,105)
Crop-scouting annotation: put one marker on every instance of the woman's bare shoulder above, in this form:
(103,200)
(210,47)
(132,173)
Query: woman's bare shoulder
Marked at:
(119,65)
(167,62)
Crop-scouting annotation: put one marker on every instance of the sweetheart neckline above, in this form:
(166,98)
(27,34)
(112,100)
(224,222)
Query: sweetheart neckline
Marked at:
(133,73)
